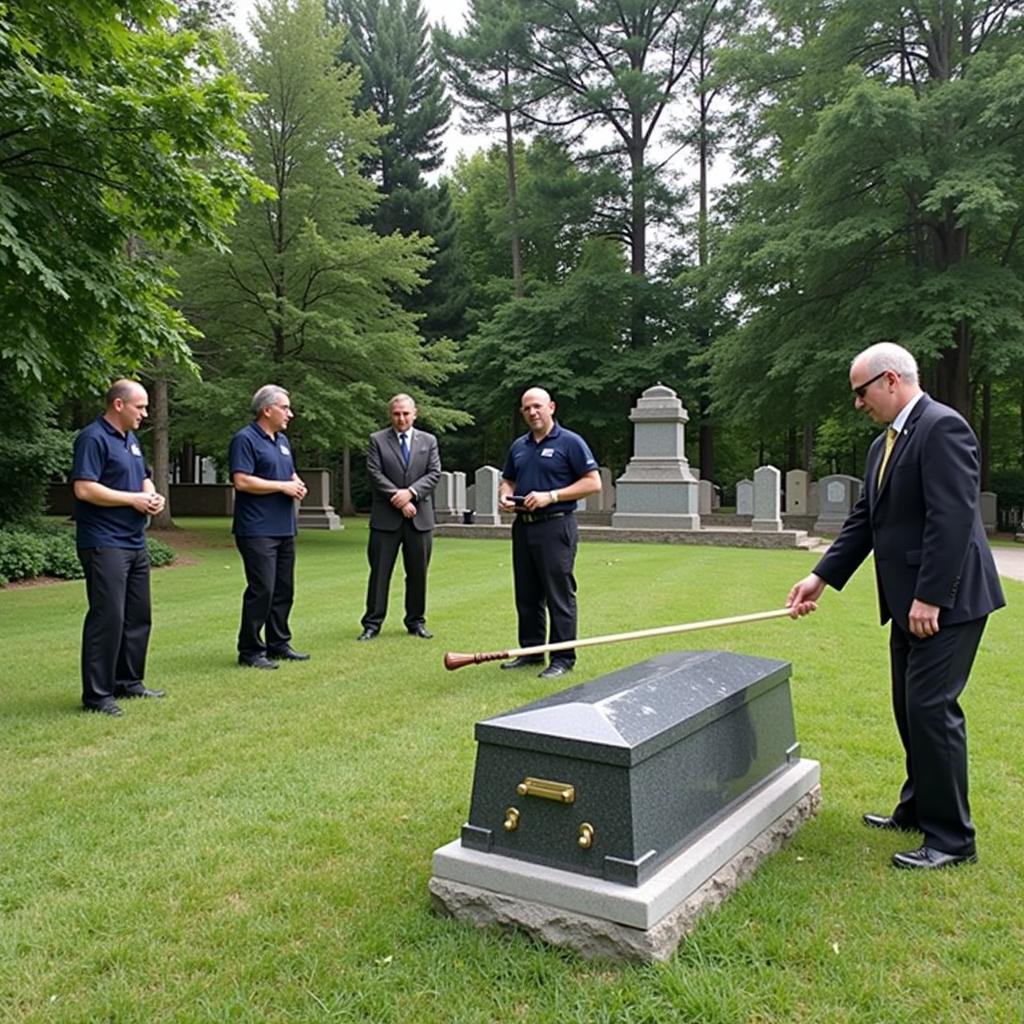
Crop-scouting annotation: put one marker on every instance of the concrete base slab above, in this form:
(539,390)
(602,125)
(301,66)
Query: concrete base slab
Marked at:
(604,919)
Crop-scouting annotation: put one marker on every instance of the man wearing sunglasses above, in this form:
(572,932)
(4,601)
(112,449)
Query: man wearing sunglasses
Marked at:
(937,583)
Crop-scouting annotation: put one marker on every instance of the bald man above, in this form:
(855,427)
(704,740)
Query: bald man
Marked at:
(547,470)
(113,496)
(937,583)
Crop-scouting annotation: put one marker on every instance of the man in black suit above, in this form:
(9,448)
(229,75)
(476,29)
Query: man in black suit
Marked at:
(937,583)
(404,467)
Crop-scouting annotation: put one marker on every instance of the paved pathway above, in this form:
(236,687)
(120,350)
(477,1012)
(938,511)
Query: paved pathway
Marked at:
(1009,561)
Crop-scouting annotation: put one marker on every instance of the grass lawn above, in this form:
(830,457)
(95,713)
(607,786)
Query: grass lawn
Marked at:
(257,846)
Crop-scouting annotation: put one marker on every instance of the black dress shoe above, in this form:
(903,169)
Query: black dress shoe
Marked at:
(888,822)
(522,662)
(287,654)
(258,662)
(422,632)
(368,634)
(108,707)
(927,858)
(144,692)
(554,670)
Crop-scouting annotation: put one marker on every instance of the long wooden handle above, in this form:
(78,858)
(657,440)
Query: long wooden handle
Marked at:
(453,660)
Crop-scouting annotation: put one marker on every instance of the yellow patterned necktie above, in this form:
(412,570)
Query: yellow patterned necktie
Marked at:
(890,441)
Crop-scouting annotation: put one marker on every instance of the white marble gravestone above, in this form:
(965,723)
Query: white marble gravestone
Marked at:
(797,482)
(767,500)
(485,483)
(745,497)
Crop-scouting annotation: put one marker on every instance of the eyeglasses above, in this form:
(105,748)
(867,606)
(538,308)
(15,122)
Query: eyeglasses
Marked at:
(861,390)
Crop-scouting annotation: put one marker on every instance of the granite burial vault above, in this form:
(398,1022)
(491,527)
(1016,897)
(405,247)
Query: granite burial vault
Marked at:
(616,801)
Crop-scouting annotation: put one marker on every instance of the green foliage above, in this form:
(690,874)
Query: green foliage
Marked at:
(22,554)
(118,142)
(43,548)
(33,450)
(881,199)
(160,553)
(306,296)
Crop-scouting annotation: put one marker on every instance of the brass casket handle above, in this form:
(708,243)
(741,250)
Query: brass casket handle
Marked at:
(562,792)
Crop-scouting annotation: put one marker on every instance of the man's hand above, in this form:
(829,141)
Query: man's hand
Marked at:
(924,619)
(804,596)
(148,503)
(294,489)
(538,499)
(409,510)
(402,497)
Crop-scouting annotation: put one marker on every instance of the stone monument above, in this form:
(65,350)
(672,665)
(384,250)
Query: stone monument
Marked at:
(767,500)
(315,509)
(485,483)
(444,500)
(744,497)
(797,482)
(836,496)
(657,490)
(608,817)
(989,511)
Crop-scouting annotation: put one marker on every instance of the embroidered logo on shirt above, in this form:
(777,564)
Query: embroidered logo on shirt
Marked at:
(284,449)
(547,453)
(136,450)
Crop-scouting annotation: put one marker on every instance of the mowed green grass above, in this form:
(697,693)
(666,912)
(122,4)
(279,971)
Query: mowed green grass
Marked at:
(257,846)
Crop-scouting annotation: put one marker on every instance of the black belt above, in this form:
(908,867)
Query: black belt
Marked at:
(539,517)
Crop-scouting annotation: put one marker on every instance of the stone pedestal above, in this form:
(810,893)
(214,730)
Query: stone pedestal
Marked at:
(606,817)
(315,510)
(657,490)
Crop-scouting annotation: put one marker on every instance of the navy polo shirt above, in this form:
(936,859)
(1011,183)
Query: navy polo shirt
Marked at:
(556,462)
(255,452)
(105,455)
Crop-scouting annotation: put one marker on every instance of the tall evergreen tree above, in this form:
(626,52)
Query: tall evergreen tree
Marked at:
(389,42)
(306,297)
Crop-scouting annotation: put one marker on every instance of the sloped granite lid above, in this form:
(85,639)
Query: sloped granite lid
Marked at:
(627,716)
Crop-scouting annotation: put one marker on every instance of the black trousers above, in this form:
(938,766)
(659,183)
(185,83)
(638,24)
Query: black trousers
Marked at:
(382,553)
(270,590)
(928,677)
(115,635)
(543,559)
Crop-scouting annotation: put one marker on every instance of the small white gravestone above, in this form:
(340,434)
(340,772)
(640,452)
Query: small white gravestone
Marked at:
(767,500)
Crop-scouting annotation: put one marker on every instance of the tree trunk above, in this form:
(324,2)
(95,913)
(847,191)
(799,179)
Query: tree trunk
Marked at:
(162,451)
(347,507)
(808,446)
(986,436)
(513,207)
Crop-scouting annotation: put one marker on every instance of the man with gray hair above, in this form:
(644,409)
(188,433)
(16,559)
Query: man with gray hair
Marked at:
(937,583)
(266,490)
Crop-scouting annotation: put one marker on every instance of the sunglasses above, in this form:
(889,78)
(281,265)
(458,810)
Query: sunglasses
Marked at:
(861,390)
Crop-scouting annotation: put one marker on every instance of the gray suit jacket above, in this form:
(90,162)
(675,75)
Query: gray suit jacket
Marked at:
(388,474)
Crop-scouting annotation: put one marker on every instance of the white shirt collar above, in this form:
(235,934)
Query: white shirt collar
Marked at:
(901,419)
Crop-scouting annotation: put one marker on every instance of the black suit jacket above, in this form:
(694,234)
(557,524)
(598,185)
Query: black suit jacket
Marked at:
(388,473)
(923,523)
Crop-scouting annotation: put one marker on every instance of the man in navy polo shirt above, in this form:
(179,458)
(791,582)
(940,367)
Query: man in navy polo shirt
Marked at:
(266,489)
(113,497)
(545,473)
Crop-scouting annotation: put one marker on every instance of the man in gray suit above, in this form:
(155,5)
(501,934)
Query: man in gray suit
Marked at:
(937,585)
(404,467)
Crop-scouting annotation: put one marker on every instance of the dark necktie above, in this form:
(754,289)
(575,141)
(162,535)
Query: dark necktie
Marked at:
(404,445)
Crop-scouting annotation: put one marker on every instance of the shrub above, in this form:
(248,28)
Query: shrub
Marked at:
(159,552)
(48,549)
(22,554)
